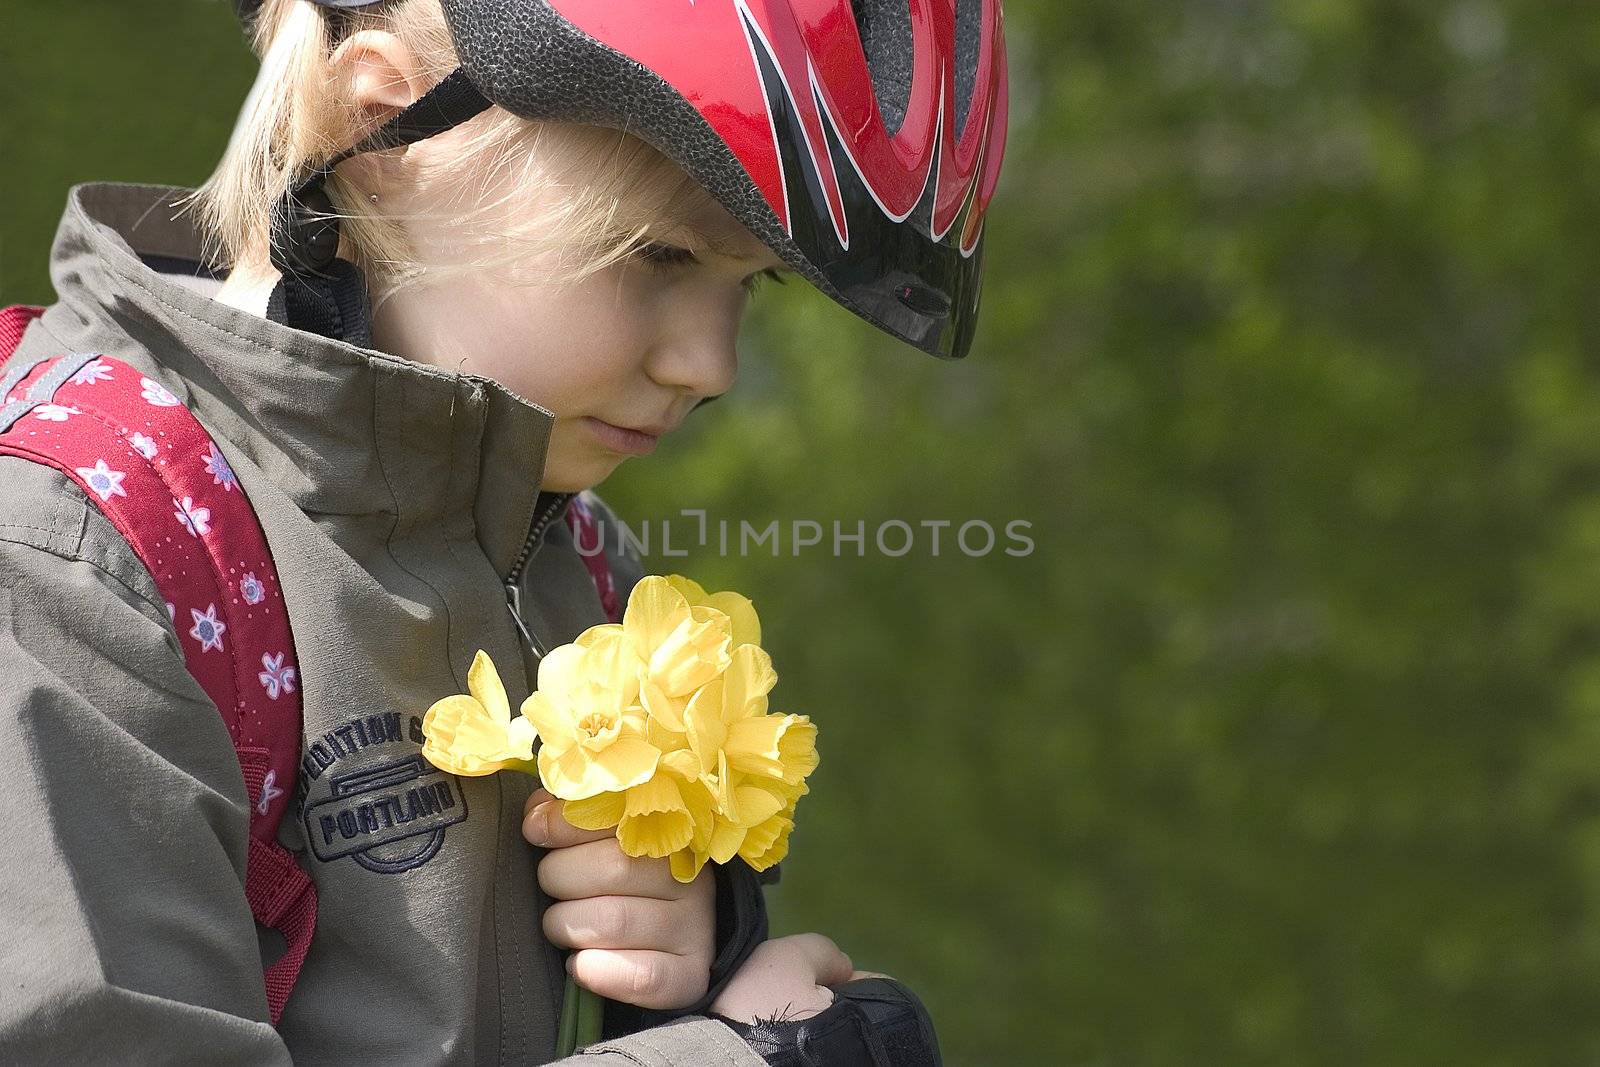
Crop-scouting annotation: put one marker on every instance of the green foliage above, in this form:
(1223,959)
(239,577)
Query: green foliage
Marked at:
(1282,745)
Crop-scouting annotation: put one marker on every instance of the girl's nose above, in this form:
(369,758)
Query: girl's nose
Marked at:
(703,361)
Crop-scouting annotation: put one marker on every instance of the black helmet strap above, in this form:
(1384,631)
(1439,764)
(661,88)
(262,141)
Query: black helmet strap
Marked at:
(318,292)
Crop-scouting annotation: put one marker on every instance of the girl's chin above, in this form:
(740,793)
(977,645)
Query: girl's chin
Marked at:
(566,476)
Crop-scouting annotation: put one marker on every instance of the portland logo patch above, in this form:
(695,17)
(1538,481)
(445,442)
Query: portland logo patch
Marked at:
(388,817)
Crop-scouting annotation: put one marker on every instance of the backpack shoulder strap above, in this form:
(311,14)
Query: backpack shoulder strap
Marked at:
(144,460)
(590,540)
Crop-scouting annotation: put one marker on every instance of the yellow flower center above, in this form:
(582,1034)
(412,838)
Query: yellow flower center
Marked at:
(596,730)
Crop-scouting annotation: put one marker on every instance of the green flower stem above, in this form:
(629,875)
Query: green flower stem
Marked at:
(582,1015)
(591,1015)
(567,1041)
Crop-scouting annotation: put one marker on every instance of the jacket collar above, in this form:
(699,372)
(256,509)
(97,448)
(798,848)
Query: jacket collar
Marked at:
(342,430)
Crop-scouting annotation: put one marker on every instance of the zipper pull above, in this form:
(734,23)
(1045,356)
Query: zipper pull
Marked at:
(514,603)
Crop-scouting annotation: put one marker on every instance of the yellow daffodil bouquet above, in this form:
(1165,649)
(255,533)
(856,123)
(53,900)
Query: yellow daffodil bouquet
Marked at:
(657,726)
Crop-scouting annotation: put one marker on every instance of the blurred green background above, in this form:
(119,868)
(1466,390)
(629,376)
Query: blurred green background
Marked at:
(1283,745)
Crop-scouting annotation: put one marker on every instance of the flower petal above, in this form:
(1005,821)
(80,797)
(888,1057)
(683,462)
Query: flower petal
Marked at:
(746,683)
(755,806)
(702,721)
(753,745)
(599,812)
(551,723)
(520,737)
(768,843)
(726,838)
(686,864)
(610,662)
(721,785)
(656,821)
(654,610)
(595,635)
(702,809)
(797,749)
(683,763)
(692,591)
(561,672)
(664,739)
(484,683)
(626,762)
(566,773)
(741,614)
(692,654)
(776,746)
(662,708)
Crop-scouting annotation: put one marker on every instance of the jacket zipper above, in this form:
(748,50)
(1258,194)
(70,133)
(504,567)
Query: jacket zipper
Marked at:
(530,548)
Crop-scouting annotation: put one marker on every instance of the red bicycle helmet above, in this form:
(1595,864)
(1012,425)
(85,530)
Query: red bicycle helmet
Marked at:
(860,140)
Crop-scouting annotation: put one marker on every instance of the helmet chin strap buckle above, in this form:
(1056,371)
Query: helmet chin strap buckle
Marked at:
(305,231)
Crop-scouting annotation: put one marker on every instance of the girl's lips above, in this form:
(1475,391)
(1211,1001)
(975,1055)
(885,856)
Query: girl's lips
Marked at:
(620,438)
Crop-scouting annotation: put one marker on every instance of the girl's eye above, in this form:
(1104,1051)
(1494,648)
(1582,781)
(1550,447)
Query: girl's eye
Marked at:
(664,256)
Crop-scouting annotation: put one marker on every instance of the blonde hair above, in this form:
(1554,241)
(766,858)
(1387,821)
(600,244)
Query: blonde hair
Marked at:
(604,192)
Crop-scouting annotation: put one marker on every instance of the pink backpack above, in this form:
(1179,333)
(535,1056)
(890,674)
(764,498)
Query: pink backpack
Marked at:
(151,468)
(147,463)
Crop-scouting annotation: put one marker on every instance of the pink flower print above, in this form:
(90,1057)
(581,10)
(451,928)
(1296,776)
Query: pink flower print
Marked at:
(269,792)
(105,482)
(156,394)
(196,520)
(251,589)
(91,372)
(219,470)
(54,412)
(208,628)
(275,677)
(144,445)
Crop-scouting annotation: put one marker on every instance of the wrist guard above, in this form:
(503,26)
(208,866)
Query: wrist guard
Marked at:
(873,1022)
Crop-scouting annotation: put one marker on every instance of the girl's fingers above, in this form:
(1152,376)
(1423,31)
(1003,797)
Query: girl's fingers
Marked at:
(867,974)
(827,961)
(649,979)
(601,868)
(622,923)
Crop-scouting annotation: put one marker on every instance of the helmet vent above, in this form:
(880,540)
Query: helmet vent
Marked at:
(969,26)
(885,27)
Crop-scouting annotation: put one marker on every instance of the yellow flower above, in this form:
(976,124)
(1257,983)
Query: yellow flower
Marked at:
(741,692)
(593,733)
(476,734)
(774,746)
(768,842)
(728,717)
(681,646)
(657,726)
(740,611)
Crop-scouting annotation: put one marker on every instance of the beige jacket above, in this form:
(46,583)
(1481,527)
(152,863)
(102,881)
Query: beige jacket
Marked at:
(397,500)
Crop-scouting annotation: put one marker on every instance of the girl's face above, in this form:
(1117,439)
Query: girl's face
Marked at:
(620,357)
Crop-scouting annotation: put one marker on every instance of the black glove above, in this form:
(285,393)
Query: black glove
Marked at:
(873,1022)
(741,926)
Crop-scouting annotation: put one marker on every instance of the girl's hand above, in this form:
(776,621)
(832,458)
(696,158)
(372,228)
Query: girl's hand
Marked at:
(642,936)
(787,979)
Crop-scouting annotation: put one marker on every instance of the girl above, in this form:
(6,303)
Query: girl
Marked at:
(357,328)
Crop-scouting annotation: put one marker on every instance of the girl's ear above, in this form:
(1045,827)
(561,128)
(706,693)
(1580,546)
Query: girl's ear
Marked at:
(381,72)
